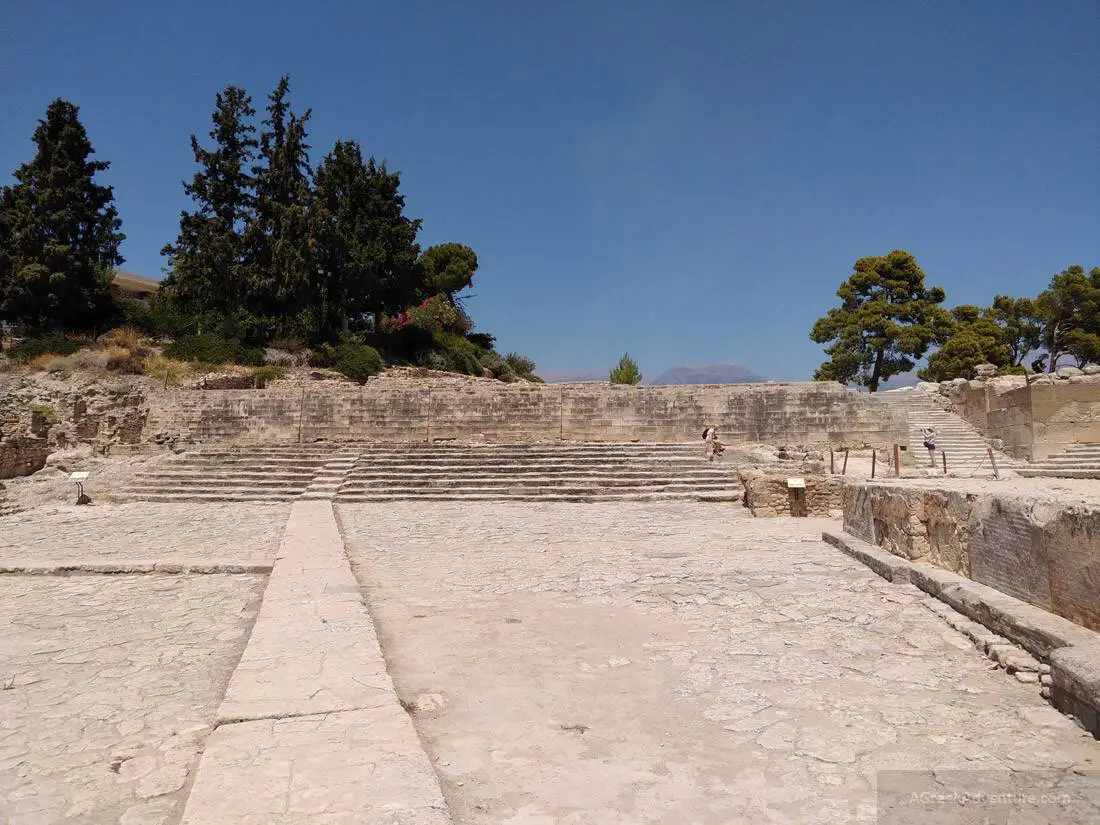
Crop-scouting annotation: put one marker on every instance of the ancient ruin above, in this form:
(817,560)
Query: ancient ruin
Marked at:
(437,600)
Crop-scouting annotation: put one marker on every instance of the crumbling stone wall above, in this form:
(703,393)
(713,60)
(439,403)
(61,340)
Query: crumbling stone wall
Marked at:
(1043,552)
(767,493)
(37,418)
(809,413)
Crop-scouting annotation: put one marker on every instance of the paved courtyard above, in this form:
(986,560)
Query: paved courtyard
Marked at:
(626,663)
(681,664)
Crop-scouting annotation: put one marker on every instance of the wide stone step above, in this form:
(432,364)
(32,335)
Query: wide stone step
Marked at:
(1032,472)
(217,483)
(501,484)
(242,496)
(579,498)
(225,472)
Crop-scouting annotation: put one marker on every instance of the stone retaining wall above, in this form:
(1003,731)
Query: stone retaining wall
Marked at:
(767,493)
(1042,552)
(1033,420)
(809,413)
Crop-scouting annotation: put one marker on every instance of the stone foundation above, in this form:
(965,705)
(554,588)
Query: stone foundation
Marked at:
(767,493)
(1042,552)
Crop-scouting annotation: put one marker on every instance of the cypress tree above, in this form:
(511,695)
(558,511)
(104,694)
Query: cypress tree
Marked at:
(209,270)
(367,251)
(59,231)
(280,236)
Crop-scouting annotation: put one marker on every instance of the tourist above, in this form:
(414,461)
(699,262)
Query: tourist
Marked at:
(930,444)
(714,447)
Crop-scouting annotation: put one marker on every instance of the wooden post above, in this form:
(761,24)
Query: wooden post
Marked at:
(943,455)
(832,466)
(897,461)
(874,460)
(993,461)
(844,469)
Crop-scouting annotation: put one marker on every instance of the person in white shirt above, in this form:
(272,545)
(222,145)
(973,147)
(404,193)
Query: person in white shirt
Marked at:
(714,447)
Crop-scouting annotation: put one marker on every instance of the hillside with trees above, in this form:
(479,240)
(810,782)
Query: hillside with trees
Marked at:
(273,250)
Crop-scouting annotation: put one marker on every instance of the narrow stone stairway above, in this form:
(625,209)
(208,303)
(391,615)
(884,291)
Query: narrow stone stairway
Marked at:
(965,447)
(1076,461)
(540,472)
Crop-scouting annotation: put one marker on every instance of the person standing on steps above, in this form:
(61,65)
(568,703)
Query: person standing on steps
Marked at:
(930,444)
(714,447)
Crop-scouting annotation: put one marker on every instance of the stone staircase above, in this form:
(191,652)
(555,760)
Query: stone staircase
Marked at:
(1076,461)
(441,472)
(571,471)
(965,447)
(241,474)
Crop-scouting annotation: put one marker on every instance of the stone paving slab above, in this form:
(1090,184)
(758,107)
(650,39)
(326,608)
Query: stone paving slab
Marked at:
(364,767)
(143,534)
(313,648)
(322,737)
(683,664)
(109,685)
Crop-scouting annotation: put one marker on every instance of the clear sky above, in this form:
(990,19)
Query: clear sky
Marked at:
(688,181)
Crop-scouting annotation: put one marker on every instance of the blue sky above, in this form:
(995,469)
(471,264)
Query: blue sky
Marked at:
(688,181)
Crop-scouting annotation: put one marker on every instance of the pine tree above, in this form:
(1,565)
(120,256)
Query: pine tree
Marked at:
(625,372)
(887,319)
(281,234)
(367,251)
(59,231)
(209,268)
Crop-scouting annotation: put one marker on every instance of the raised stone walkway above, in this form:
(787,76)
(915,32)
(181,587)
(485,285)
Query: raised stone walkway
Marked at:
(310,729)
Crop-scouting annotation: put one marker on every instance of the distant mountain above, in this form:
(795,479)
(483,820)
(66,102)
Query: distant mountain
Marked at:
(707,374)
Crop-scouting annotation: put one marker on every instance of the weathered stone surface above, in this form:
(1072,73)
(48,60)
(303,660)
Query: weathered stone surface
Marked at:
(767,493)
(677,663)
(359,766)
(1075,679)
(415,410)
(1033,416)
(105,685)
(1042,552)
(1068,372)
(887,565)
(313,649)
(144,537)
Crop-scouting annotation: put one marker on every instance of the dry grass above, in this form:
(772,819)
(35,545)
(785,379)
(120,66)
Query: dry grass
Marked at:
(127,338)
(90,359)
(167,370)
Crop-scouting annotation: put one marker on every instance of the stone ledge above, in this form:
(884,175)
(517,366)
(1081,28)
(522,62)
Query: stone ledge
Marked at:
(129,568)
(1075,673)
(887,565)
(1073,652)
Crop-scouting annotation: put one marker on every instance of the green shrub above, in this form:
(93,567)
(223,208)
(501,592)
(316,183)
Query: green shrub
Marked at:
(251,357)
(459,354)
(498,366)
(626,371)
(262,376)
(213,349)
(522,366)
(30,348)
(357,361)
(323,356)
